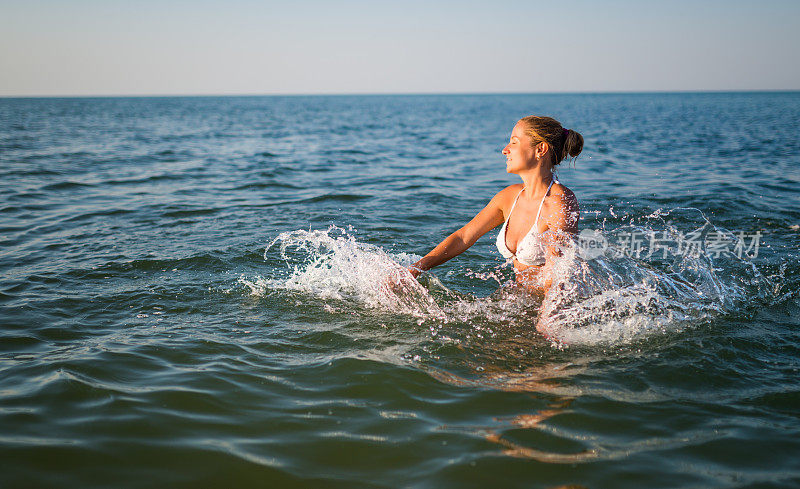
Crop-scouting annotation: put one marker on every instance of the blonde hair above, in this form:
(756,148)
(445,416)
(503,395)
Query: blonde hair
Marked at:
(563,142)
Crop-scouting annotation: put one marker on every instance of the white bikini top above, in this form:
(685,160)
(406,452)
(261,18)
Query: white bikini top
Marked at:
(530,249)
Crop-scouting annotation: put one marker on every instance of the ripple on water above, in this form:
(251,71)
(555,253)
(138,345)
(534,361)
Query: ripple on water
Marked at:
(148,335)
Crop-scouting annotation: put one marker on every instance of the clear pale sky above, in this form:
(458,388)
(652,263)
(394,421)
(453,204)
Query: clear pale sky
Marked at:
(144,47)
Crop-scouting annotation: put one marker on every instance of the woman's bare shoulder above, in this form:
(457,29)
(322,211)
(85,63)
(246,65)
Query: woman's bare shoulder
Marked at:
(505,198)
(502,201)
(564,195)
(509,192)
(563,211)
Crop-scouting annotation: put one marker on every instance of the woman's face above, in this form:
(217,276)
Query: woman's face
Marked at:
(519,152)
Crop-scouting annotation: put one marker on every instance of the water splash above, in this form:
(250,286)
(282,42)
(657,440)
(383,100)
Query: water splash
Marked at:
(608,298)
(332,265)
(625,293)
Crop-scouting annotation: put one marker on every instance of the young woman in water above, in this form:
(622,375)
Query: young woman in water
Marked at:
(538,216)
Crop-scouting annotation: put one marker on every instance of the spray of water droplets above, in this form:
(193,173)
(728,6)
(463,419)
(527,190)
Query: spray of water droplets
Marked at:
(609,298)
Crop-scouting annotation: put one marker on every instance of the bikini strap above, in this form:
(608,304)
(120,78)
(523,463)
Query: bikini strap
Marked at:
(536,223)
(515,204)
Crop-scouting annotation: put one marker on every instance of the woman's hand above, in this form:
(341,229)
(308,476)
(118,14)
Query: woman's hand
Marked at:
(401,278)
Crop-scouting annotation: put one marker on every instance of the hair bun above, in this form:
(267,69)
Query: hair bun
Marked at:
(563,142)
(573,143)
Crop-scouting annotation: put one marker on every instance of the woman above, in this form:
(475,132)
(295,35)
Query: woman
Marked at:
(537,216)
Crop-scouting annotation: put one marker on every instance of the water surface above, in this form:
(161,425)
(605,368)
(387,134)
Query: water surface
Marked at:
(191,292)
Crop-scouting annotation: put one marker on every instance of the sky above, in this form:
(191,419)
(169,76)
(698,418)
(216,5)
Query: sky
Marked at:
(242,47)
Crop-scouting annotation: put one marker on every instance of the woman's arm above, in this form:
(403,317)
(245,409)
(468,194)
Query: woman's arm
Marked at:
(489,218)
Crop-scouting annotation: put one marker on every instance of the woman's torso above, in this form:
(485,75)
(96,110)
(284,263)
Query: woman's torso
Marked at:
(523,234)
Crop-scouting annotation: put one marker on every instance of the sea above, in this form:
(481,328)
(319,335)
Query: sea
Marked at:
(197,292)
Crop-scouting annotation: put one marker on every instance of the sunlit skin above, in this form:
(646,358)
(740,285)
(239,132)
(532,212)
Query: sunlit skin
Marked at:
(560,214)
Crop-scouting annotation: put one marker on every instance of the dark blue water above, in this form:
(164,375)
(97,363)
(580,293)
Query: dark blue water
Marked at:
(192,292)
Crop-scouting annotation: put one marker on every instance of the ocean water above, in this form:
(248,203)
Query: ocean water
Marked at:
(193,293)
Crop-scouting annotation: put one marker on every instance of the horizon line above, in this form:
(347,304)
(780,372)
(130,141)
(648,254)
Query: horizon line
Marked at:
(350,94)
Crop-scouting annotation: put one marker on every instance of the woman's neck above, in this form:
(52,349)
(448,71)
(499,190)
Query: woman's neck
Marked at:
(537,180)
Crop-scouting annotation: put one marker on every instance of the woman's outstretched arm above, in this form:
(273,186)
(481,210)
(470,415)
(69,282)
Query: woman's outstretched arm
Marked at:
(487,219)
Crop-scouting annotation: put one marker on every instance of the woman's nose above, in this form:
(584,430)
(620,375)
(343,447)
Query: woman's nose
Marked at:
(505,150)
